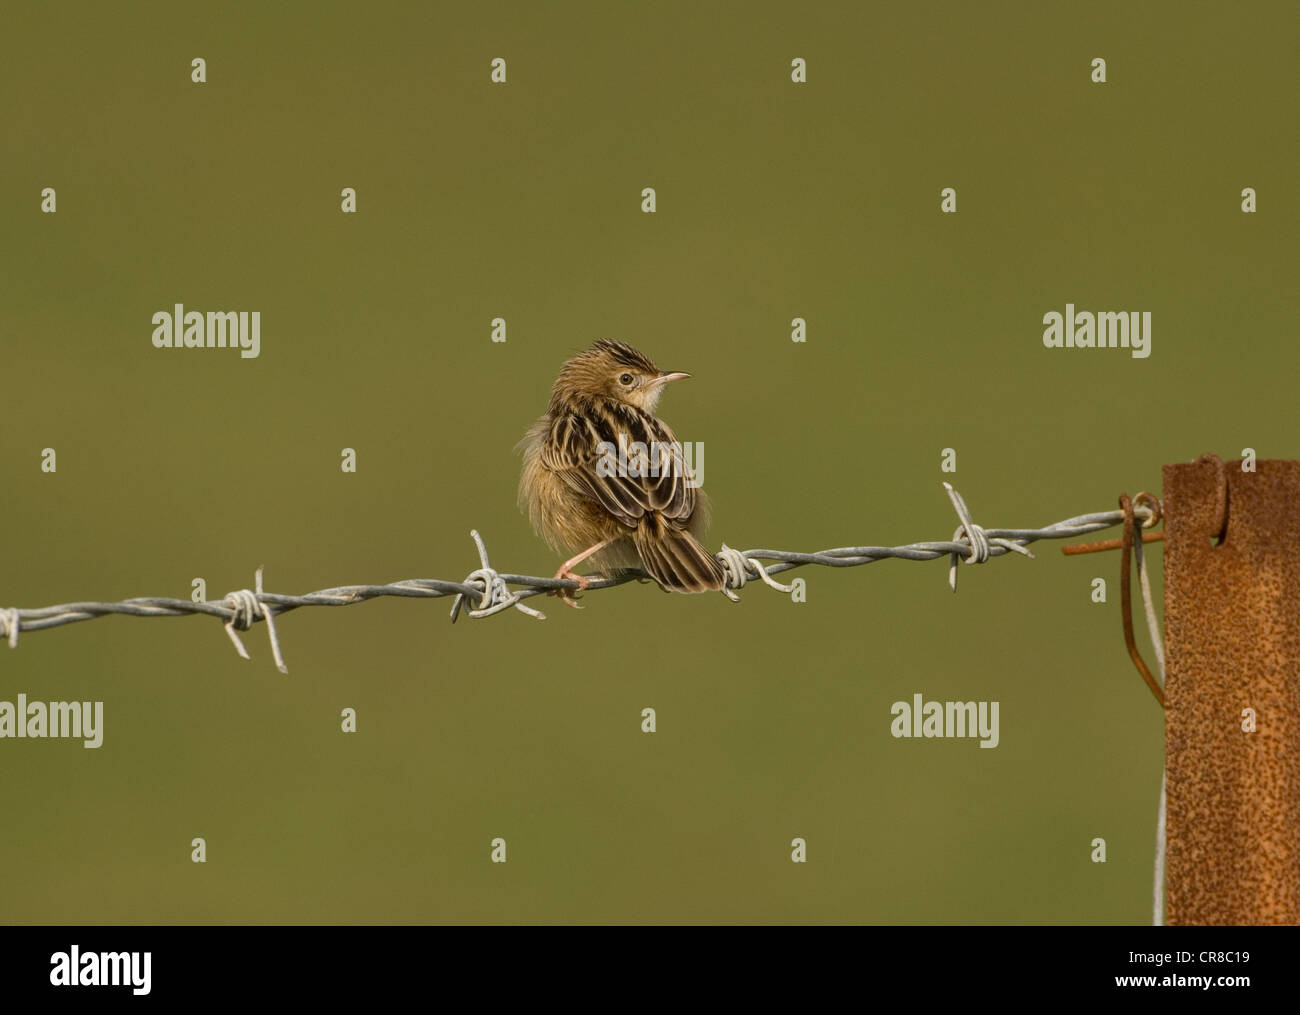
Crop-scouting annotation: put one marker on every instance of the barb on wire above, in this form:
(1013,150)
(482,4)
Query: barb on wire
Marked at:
(246,605)
(496,594)
(491,590)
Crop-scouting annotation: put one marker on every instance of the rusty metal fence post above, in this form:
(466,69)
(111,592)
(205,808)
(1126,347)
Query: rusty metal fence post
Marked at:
(1232,693)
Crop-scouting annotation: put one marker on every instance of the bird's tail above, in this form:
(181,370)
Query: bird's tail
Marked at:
(675,559)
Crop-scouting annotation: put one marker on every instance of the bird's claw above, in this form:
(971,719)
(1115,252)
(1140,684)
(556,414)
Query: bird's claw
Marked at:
(568,596)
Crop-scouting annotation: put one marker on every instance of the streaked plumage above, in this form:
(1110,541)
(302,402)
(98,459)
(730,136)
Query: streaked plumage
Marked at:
(608,393)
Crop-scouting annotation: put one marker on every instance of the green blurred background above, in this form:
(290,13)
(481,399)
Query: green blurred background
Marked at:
(475,200)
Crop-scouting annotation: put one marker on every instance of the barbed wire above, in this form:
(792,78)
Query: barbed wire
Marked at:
(491,590)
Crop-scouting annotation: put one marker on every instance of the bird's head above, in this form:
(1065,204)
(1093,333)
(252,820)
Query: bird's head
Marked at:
(613,370)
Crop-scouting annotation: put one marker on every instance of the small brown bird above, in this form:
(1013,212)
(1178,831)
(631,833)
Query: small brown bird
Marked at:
(593,482)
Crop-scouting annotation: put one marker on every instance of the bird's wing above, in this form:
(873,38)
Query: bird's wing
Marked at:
(651,475)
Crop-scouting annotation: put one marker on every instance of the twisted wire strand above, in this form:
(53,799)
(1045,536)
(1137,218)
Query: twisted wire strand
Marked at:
(488,592)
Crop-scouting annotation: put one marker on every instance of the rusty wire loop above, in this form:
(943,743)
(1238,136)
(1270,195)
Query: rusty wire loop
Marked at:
(492,592)
(1125,587)
(1154,517)
(1157,511)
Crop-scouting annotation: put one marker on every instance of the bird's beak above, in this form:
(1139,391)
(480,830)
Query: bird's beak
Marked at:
(665,378)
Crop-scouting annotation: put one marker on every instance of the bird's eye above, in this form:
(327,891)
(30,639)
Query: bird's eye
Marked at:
(624,379)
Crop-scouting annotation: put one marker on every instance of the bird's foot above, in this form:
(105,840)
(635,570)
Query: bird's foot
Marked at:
(567,596)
